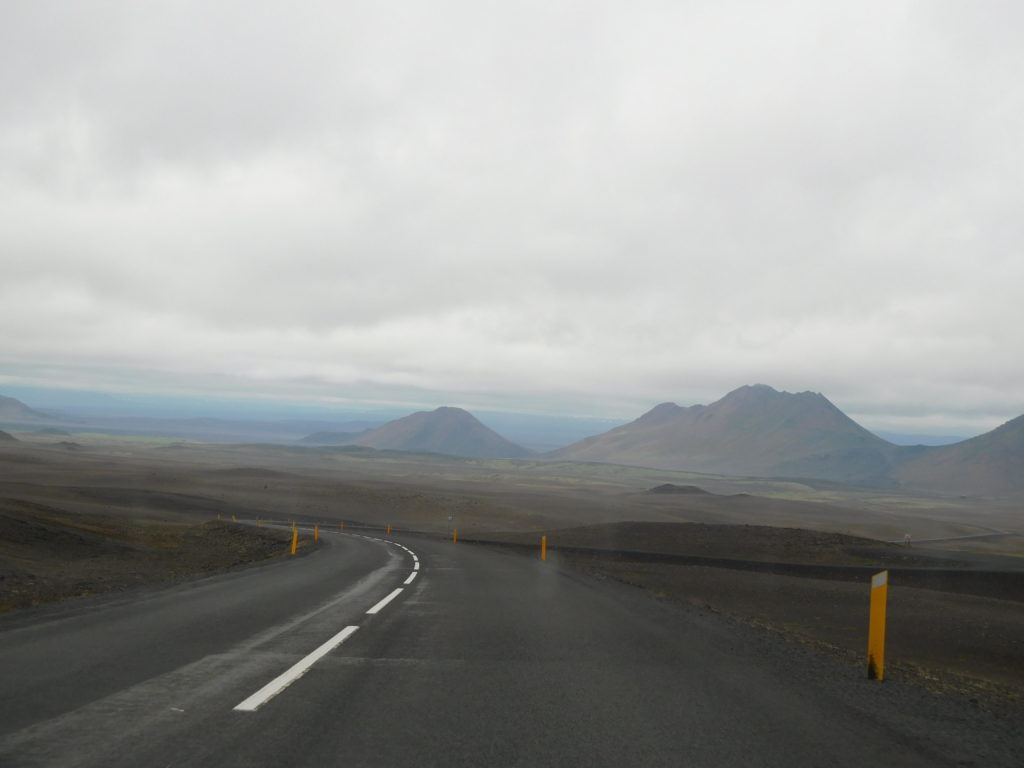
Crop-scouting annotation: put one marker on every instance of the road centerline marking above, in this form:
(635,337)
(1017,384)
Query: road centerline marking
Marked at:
(293,673)
(297,670)
(385,601)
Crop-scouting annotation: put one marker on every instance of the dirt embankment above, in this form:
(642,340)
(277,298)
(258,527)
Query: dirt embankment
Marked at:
(48,554)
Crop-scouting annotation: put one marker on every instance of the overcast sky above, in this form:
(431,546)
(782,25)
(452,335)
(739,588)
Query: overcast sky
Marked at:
(582,208)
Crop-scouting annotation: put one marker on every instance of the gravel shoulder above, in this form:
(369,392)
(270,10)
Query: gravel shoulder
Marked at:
(952,638)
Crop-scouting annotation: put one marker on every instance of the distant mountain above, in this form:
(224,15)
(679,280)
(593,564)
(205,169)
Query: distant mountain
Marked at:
(758,431)
(754,430)
(446,430)
(991,463)
(15,411)
(331,438)
(6,438)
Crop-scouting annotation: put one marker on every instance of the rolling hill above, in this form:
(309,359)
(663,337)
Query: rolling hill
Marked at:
(446,430)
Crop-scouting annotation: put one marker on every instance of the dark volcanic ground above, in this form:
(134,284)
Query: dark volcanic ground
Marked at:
(47,554)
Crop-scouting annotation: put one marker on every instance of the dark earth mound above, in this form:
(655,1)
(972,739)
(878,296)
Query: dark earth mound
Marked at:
(7,438)
(671,488)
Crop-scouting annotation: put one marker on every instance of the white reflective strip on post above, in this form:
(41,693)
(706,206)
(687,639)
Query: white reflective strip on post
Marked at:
(879,579)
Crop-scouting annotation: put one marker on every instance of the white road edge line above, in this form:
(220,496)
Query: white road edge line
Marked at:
(385,601)
(410,579)
(282,681)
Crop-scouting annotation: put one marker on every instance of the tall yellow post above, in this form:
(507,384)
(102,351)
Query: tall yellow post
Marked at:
(389,529)
(316,533)
(341,526)
(876,626)
(455,535)
(234,519)
(295,540)
(543,547)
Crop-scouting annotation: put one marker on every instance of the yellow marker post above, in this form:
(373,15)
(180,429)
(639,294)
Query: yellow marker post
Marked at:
(341,526)
(389,529)
(259,523)
(234,519)
(218,515)
(316,533)
(295,540)
(543,547)
(876,626)
(455,535)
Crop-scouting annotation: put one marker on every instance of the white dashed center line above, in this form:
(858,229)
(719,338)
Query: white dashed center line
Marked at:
(297,670)
(282,681)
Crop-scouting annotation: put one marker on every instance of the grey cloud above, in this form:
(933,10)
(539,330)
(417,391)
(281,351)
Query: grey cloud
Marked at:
(605,203)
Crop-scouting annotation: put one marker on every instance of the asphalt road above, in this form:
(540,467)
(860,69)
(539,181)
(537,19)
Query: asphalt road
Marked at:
(484,658)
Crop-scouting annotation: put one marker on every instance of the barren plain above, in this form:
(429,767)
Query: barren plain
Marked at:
(94,513)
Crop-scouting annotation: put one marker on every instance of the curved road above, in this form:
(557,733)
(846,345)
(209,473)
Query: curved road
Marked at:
(484,658)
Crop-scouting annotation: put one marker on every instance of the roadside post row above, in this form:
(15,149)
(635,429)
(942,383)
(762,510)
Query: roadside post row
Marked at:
(297,670)
(387,530)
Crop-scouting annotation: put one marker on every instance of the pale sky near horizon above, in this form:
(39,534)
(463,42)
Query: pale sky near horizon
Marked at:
(577,208)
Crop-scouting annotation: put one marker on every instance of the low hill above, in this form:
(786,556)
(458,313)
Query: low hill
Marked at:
(754,430)
(331,438)
(671,488)
(16,412)
(992,463)
(446,430)
(7,438)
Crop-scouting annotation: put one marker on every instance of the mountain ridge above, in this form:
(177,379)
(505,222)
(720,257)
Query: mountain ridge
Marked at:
(753,430)
(756,430)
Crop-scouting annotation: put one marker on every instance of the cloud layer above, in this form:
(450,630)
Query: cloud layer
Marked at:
(542,206)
